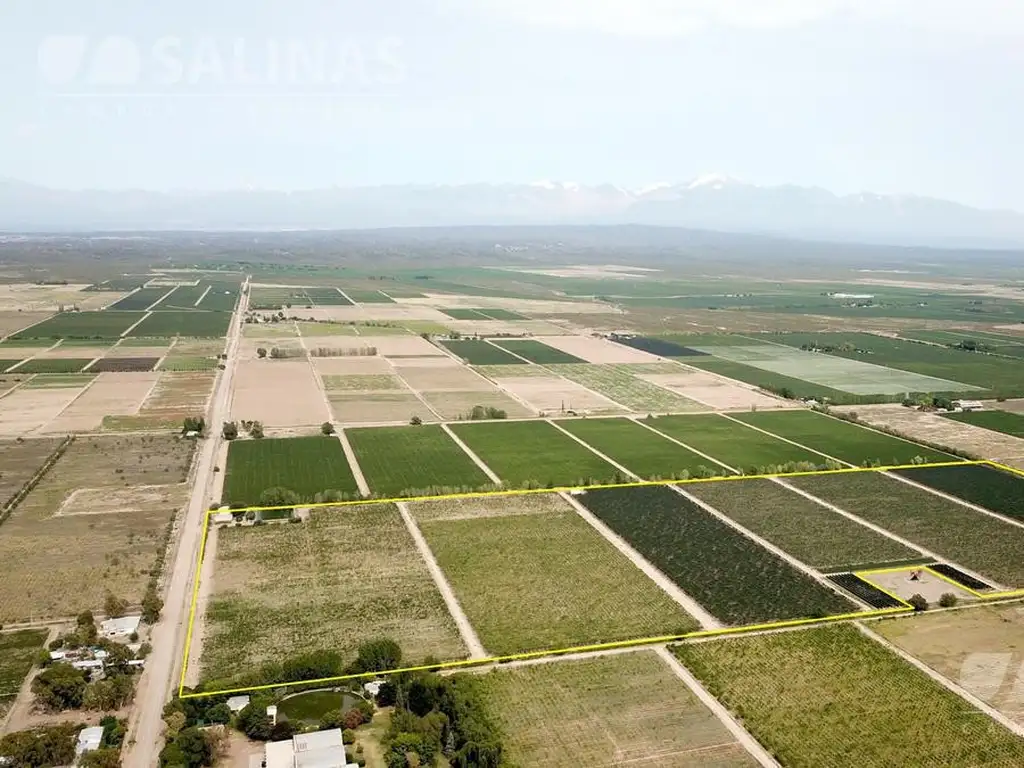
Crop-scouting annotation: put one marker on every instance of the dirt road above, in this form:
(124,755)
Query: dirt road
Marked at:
(163,668)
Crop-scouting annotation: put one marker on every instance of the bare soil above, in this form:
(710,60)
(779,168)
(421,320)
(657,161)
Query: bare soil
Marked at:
(714,392)
(378,408)
(349,366)
(452,405)
(596,350)
(443,378)
(27,410)
(278,393)
(929,586)
(552,394)
(120,394)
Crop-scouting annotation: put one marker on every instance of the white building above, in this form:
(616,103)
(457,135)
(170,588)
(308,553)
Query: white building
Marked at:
(122,627)
(89,739)
(323,749)
(968,405)
(237,703)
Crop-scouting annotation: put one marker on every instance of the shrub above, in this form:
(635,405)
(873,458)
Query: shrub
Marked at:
(348,736)
(415,421)
(918,602)
(327,428)
(948,600)
(229,430)
(114,606)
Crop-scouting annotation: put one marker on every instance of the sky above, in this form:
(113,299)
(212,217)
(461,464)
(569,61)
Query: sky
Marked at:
(892,96)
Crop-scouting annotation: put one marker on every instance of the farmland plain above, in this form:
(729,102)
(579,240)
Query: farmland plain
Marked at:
(994,489)
(998,421)
(535,351)
(734,578)
(478,352)
(626,389)
(628,709)
(818,696)
(531,582)
(400,460)
(305,465)
(82,325)
(346,576)
(975,540)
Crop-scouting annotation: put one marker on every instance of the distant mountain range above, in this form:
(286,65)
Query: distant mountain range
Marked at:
(712,202)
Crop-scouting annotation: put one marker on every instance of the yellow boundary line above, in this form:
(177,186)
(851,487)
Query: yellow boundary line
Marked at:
(467,663)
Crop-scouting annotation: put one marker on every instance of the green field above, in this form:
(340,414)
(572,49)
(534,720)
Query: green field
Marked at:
(18,652)
(5,364)
(58,380)
(306,465)
(994,489)
(831,696)
(620,385)
(141,299)
(629,709)
(808,531)
(730,442)
(730,575)
(53,365)
(197,324)
(646,453)
(368,297)
(482,313)
(478,352)
(535,351)
(538,581)
(186,363)
(533,453)
(973,539)
(998,421)
(82,325)
(400,460)
(841,439)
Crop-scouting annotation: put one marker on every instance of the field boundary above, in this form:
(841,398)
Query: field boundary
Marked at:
(634,643)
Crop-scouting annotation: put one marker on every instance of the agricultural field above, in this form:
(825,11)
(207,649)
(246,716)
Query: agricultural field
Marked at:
(365,382)
(5,364)
(628,709)
(656,346)
(19,461)
(378,408)
(346,576)
(398,460)
(483,313)
(82,325)
(459,405)
(18,651)
(533,453)
(184,297)
(980,649)
(58,380)
(478,352)
(519,580)
(305,465)
(972,539)
(628,390)
(731,442)
(981,341)
(53,365)
(368,297)
(998,421)
(775,382)
(186,364)
(808,531)
(842,440)
(95,522)
(197,324)
(994,489)
(535,351)
(646,453)
(819,696)
(123,364)
(327,297)
(141,299)
(735,579)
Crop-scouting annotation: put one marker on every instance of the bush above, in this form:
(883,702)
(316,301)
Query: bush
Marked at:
(918,602)
(114,606)
(348,736)
(415,421)
(229,430)
(948,600)
(59,687)
(327,428)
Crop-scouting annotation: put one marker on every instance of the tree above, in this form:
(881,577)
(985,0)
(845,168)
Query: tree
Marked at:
(219,713)
(86,628)
(229,430)
(261,352)
(415,421)
(101,758)
(253,720)
(378,655)
(151,606)
(114,606)
(40,747)
(174,721)
(256,430)
(279,497)
(948,600)
(109,694)
(193,424)
(194,748)
(59,687)
(918,602)
(327,428)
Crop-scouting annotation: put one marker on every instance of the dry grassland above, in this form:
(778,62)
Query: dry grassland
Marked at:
(401,346)
(488,506)
(154,350)
(34,298)
(429,362)
(981,649)
(551,393)
(19,462)
(378,408)
(933,428)
(270,331)
(110,394)
(247,347)
(278,393)
(326,329)
(346,576)
(714,392)
(59,565)
(346,366)
(594,350)
(197,347)
(366,382)
(443,378)
(452,405)
(27,410)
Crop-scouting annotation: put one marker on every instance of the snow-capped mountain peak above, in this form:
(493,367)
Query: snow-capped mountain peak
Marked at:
(713,180)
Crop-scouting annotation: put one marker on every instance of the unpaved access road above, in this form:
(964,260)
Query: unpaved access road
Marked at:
(163,667)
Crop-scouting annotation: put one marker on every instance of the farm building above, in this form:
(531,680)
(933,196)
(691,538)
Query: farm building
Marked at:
(89,739)
(323,749)
(968,405)
(122,627)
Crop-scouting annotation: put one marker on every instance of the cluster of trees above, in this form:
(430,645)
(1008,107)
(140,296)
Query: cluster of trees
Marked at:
(229,430)
(194,424)
(928,402)
(38,747)
(970,345)
(480,412)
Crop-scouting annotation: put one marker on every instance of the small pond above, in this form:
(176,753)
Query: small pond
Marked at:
(309,707)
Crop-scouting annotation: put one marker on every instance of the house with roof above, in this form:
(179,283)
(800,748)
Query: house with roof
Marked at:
(322,749)
(121,627)
(89,739)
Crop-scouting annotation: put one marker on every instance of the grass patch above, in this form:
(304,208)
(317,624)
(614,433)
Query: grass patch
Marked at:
(730,442)
(478,352)
(629,709)
(82,325)
(524,453)
(646,453)
(626,389)
(808,531)
(536,352)
(820,696)
(348,575)
(841,439)
(530,582)
(975,540)
(306,465)
(734,578)
(399,459)
(998,421)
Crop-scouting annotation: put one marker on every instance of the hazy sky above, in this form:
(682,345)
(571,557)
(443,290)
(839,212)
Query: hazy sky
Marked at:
(916,96)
